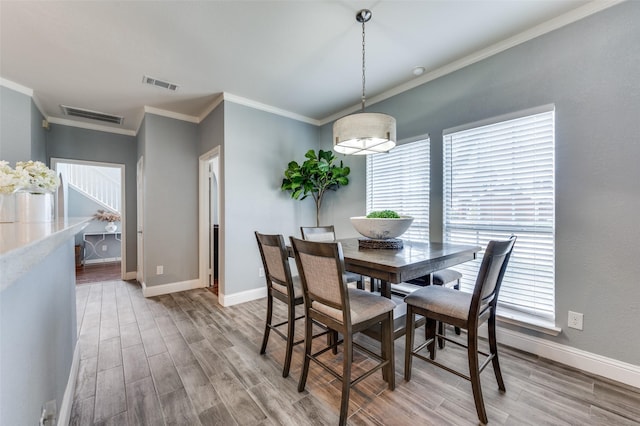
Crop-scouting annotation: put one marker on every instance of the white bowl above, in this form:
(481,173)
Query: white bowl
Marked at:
(381,228)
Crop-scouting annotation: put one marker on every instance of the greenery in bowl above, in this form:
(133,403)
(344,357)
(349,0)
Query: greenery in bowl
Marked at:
(383,214)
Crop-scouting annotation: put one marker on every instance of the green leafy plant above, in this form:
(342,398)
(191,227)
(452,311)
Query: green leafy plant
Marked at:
(383,214)
(314,177)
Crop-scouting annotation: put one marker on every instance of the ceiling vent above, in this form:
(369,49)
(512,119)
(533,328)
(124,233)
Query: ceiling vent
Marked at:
(159,83)
(92,115)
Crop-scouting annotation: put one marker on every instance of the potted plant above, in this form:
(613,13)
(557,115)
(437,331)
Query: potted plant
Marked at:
(314,177)
(382,225)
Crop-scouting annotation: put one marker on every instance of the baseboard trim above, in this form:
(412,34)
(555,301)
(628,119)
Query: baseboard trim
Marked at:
(64,415)
(242,297)
(102,260)
(609,368)
(157,290)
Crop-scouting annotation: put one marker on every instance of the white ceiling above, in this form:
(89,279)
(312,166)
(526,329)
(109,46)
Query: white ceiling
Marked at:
(297,57)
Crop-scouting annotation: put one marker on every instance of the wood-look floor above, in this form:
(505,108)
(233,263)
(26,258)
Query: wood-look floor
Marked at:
(98,272)
(181,359)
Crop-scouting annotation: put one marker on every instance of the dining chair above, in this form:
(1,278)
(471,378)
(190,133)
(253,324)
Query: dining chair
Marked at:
(329,301)
(281,285)
(443,277)
(327,233)
(467,311)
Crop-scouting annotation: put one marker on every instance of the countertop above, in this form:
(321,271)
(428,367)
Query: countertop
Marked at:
(22,245)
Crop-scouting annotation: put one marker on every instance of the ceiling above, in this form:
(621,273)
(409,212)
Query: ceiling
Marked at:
(297,58)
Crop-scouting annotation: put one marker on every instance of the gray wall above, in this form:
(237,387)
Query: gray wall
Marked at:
(74,143)
(22,137)
(257,148)
(211,130)
(38,329)
(589,70)
(38,135)
(170,200)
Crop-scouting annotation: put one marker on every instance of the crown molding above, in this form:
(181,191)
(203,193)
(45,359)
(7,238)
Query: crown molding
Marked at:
(171,114)
(90,126)
(217,101)
(268,108)
(541,29)
(16,87)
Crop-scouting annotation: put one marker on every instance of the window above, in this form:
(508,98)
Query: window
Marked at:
(399,180)
(498,181)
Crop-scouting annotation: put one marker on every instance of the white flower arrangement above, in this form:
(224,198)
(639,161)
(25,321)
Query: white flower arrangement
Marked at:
(37,175)
(10,180)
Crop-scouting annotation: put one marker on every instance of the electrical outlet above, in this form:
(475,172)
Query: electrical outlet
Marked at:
(104,247)
(261,272)
(49,413)
(159,270)
(575,320)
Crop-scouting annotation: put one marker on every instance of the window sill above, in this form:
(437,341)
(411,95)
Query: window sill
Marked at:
(530,322)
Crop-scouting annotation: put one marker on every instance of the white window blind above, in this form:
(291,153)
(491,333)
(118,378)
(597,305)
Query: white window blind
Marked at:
(498,181)
(399,181)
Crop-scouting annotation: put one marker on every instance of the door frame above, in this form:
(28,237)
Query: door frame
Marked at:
(123,214)
(140,220)
(204,201)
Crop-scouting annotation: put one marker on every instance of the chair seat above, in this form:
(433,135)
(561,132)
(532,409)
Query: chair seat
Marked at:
(442,300)
(446,276)
(364,306)
(297,287)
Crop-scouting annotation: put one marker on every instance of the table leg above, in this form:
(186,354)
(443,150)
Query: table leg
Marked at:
(385,289)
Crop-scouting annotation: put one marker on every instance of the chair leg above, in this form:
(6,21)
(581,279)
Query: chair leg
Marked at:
(457,287)
(291,322)
(308,337)
(493,349)
(408,347)
(267,326)
(474,374)
(388,372)
(360,283)
(430,329)
(441,330)
(346,380)
(332,340)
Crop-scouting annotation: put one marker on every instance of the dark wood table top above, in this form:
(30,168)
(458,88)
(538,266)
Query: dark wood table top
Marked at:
(392,266)
(414,260)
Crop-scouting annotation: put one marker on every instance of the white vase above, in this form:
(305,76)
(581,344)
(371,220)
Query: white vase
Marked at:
(34,207)
(7,207)
(111,227)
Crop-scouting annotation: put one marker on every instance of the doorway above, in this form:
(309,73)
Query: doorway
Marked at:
(87,188)
(210,230)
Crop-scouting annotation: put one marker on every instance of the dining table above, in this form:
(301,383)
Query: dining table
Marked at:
(394,266)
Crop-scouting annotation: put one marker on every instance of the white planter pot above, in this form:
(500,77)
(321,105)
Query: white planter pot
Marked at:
(34,207)
(7,207)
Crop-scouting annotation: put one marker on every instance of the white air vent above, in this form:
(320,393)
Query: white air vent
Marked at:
(92,115)
(159,83)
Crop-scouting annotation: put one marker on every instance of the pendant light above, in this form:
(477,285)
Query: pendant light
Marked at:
(364,133)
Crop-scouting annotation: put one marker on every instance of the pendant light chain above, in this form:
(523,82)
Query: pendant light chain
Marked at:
(363,67)
(364,133)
